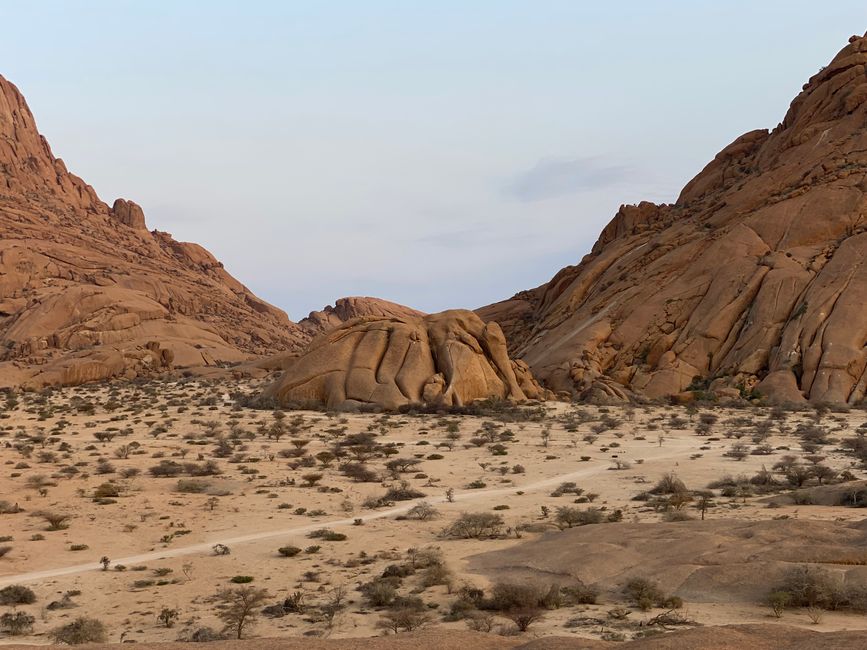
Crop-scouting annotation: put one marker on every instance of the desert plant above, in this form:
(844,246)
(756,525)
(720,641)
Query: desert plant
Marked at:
(778,601)
(17,623)
(312,478)
(475,525)
(326,534)
(168,616)
(288,551)
(422,511)
(524,617)
(406,615)
(569,516)
(811,586)
(238,608)
(644,593)
(17,595)
(668,484)
(241,580)
(55,520)
(81,630)
(380,592)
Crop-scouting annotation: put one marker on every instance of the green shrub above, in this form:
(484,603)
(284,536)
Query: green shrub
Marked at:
(288,551)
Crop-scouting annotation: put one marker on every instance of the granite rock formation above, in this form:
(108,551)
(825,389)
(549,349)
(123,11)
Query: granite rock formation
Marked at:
(450,358)
(753,282)
(347,309)
(88,293)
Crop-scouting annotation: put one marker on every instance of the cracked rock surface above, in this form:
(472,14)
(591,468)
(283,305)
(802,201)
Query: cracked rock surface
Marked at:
(450,358)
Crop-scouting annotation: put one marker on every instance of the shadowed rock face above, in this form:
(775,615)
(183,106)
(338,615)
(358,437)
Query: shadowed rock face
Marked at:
(451,358)
(754,278)
(88,293)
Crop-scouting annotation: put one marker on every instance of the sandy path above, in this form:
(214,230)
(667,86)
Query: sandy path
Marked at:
(685,447)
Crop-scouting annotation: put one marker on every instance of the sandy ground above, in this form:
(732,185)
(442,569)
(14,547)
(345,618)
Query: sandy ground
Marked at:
(163,538)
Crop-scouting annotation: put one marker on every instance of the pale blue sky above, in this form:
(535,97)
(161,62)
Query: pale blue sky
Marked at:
(439,154)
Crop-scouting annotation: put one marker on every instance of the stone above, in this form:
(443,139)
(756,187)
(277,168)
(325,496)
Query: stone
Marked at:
(129,214)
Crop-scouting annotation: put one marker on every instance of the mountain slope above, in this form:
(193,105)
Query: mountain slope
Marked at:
(754,278)
(87,292)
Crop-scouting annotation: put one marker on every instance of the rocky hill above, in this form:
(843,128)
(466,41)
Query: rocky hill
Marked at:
(753,280)
(450,359)
(87,292)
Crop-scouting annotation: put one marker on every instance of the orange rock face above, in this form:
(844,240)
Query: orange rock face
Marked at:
(346,309)
(88,293)
(754,279)
(451,358)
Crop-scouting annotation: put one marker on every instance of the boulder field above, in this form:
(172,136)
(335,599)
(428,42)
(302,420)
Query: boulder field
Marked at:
(450,359)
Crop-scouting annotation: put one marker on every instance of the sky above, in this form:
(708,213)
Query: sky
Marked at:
(439,154)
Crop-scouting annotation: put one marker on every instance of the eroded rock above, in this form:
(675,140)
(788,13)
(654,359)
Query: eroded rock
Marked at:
(86,290)
(450,358)
(754,279)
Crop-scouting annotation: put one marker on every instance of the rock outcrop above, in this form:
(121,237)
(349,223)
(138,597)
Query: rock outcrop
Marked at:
(88,293)
(753,280)
(347,309)
(450,358)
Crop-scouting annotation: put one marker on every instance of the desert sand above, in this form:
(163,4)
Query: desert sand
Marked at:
(88,452)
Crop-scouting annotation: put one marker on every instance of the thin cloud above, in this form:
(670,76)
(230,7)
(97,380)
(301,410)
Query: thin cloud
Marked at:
(554,177)
(480,237)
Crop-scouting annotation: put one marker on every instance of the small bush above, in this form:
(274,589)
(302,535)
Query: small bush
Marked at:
(568,516)
(106,491)
(288,551)
(17,595)
(192,486)
(380,592)
(669,484)
(327,535)
(402,492)
(645,594)
(81,630)
(17,623)
(476,525)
